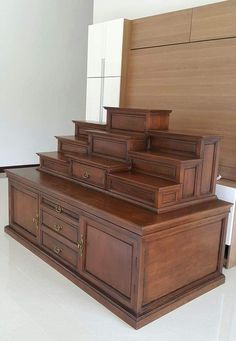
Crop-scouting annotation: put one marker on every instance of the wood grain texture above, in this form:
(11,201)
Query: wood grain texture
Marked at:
(196,80)
(170,28)
(214,21)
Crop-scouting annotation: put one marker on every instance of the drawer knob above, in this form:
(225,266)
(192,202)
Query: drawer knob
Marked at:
(57,227)
(86,175)
(57,250)
(58,209)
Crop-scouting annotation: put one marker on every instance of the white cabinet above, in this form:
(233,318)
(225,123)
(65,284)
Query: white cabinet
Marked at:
(93,99)
(105,46)
(101,92)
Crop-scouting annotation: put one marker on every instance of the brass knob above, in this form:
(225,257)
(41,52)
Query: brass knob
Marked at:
(86,175)
(57,250)
(57,227)
(58,209)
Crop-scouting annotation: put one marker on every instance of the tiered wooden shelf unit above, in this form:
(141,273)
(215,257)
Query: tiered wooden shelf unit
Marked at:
(126,210)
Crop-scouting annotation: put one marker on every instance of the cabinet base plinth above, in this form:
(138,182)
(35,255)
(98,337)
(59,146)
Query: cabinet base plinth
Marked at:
(136,322)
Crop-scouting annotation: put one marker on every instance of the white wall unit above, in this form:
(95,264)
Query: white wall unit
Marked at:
(105,49)
(111,97)
(93,99)
(104,70)
(101,92)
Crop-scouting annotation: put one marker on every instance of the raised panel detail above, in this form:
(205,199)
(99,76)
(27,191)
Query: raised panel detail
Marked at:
(197,249)
(24,210)
(108,260)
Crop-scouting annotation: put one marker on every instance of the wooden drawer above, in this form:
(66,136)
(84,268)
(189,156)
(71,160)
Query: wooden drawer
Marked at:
(61,209)
(60,226)
(60,250)
(66,147)
(89,174)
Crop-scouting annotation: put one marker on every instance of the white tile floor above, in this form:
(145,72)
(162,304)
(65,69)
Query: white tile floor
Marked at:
(37,303)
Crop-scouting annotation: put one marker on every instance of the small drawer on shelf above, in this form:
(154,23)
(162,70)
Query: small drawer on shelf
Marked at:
(61,227)
(63,210)
(91,175)
(60,250)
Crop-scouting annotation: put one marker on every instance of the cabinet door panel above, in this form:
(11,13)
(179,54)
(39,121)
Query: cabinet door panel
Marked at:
(108,260)
(96,49)
(93,99)
(24,211)
(111,96)
(114,46)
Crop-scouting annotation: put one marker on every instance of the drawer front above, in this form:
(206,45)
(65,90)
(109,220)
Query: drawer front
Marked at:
(55,166)
(89,174)
(60,250)
(142,195)
(63,210)
(60,226)
(65,147)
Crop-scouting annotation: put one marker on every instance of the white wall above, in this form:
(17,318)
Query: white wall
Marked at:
(43,52)
(132,9)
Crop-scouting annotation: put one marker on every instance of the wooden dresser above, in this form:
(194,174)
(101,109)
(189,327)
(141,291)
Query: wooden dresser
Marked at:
(127,211)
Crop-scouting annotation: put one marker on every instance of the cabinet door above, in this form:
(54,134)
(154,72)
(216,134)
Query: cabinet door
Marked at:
(96,50)
(108,259)
(24,211)
(105,47)
(94,99)
(113,47)
(111,95)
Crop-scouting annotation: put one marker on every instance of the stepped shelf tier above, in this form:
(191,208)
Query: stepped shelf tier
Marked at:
(126,210)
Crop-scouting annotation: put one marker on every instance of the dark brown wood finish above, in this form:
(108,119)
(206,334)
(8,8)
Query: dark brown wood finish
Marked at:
(94,216)
(112,255)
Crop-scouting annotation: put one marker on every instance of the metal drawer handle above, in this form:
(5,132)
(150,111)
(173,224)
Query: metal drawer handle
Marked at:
(57,250)
(57,227)
(81,245)
(58,209)
(36,221)
(86,175)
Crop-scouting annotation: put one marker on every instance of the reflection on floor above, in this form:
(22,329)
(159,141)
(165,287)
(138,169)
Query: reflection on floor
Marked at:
(37,303)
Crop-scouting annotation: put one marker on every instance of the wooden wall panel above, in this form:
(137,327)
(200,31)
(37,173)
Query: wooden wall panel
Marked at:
(214,21)
(197,81)
(170,28)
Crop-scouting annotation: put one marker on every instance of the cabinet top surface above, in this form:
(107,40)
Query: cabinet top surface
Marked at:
(133,218)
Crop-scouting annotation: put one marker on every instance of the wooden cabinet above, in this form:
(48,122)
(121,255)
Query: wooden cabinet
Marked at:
(24,211)
(128,258)
(108,259)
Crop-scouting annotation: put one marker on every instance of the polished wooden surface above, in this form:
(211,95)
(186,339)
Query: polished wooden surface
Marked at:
(198,81)
(102,219)
(113,254)
(214,21)
(164,29)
